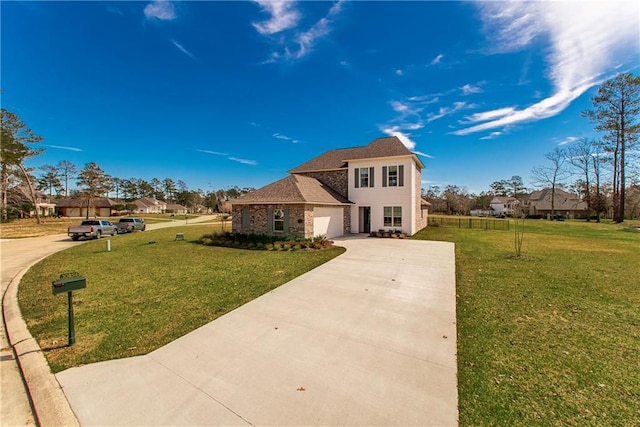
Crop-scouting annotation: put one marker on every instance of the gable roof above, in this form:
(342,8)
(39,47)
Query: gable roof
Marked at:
(503,199)
(294,189)
(98,202)
(148,202)
(337,159)
(563,201)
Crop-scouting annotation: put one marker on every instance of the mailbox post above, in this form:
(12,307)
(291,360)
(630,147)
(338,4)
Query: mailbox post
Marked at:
(69,282)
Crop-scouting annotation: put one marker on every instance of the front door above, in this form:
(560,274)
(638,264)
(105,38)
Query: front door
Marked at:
(365,219)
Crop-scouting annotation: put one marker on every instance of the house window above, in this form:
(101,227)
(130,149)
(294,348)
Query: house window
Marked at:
(393,176)
(363,177)
(278,220)
(393,216)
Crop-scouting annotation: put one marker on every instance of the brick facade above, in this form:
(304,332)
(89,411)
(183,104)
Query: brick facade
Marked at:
(300,220)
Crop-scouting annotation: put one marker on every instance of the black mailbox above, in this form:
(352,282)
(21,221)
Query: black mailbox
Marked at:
(68,284)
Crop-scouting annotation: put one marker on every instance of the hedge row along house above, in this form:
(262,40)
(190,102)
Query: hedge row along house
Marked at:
(350,190)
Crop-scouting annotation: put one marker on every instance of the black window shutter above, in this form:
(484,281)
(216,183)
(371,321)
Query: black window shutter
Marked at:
(384,176)
(371,177)
(400,176)
(286,220)
(357,180)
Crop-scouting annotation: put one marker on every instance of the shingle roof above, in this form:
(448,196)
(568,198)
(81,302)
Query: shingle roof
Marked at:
(337,159)
(563,201)
(293,189)
(98,202)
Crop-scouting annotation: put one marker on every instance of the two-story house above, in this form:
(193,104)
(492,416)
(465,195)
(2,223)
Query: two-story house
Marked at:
(503,205)
(350,190)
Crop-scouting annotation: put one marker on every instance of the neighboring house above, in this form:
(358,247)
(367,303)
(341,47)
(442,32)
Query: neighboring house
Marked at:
(502,206)
(101,207)
(21,194)
(566,204)
(150,205)
(176,208)
(481,212)
(351,190)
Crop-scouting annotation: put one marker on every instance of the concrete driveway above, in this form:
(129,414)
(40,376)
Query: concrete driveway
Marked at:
(368,338)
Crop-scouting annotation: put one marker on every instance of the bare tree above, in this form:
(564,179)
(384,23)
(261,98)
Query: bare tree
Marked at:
(94,183)
(553,174)
(67,171)
(581,158)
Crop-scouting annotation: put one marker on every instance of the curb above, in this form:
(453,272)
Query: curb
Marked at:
(50,405)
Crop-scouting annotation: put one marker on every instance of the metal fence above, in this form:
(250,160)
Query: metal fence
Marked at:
(469,222)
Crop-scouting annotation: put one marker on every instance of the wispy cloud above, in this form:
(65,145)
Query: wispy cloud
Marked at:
(420,153)
(255,125)
(232,158)
(243,161)
(399,72)
(445,111)
(468,89)
(182,49)
(403,137)
(586,46)
(285,137)
(437,59)
(492,135)
(283,16)
(293,44)
(62,147)
(215,153)
(160,9)
(568,140)
(489,115)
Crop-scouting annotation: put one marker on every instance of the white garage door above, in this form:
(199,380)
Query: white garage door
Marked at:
(327,221)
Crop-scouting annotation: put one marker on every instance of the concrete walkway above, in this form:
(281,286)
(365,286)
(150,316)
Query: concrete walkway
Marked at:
(368,338)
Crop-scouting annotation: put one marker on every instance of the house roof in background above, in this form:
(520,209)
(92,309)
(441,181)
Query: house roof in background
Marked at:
(563,201)
(293,189)
(338,159)
(98,202)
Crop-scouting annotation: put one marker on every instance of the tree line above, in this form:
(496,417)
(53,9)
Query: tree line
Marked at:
(91,181)
(604,172)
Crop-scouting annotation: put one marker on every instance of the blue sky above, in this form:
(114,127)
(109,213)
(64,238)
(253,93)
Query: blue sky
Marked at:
(219,94)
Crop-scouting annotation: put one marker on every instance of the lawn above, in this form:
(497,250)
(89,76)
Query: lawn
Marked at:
(22,228)
(552,338)
(142,295)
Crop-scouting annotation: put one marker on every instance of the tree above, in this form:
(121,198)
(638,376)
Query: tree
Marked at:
(157,186)
(169,189)
(581,158)
(616,107)
(553,174)
(13,152)
(50,179)
(94,182)
(67,170)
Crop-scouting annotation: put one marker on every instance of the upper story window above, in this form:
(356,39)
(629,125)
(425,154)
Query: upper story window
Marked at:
(363,177)
(393,176)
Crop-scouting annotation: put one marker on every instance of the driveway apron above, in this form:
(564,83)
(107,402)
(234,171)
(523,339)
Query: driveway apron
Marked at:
(369,338)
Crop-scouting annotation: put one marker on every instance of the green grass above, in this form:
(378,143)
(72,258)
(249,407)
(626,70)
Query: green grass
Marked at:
(141,296)
(552,338)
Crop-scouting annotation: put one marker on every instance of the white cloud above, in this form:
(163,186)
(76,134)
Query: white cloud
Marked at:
(569,140)
(285,137)
(283,16)
(163,10)
(587,43)
(404,138)
(244,161)
(299,43)
(399,107)
(492,135)
(469,89)
(489,115)
(182,49)
(445,111)
(437,59)
(216,153)
(62,147)
(420,153)
(399,72)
